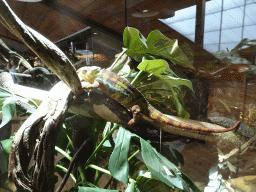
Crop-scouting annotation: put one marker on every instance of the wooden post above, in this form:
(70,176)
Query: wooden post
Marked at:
(200,110)
(200,17)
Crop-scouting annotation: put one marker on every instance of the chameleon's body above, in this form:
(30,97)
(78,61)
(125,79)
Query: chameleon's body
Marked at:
(124,92)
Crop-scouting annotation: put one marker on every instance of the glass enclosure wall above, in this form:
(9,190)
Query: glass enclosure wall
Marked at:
(90,47)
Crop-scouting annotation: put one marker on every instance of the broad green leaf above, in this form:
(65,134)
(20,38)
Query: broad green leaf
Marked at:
(62,138)
(157,66)
(162,89)
(167,82)
(90,189)
(146,184)
(148,57)
(4,161)
(4,93)
(125,71)
(159,44)
(118,162)
(135,43)
(179,106)
(160,167)
(131,187)
(8,111)
(6,144)
(5,147)
(175,81)
(116,65)
(172,154)
(190,183)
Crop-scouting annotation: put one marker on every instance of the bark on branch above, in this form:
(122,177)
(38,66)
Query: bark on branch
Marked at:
(48,118)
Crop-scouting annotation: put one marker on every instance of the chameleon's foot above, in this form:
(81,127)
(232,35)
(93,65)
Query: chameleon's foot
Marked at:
(132,121)
(136,112)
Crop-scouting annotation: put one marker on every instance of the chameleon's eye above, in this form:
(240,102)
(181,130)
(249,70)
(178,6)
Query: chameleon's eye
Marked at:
(84,72)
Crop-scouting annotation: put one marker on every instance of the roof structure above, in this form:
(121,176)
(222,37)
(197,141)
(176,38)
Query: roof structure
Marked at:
(57,19)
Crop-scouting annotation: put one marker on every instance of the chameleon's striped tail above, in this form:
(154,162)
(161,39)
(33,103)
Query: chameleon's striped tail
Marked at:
(162,118)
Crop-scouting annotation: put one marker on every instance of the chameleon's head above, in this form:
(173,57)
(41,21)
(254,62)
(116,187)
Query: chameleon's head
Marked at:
(136,109)
(88,74)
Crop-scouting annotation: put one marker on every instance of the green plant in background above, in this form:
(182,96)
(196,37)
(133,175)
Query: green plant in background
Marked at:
(155,79)
(133,160)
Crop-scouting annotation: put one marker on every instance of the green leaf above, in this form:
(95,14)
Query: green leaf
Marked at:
(135,43)
(118,162)
(4,93)
(8,110)
(157,66)
(190,183)
(117,66)
(6,144)
(181,111)
(5,147)
(159,44)
(90,189)
(146,184)
(175,81)
(131,187)
(163,89)
(62,138)
(148,57)
(160,167)
(172,154)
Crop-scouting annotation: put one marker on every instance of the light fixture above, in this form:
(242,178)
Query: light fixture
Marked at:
(145,13)
(30,1)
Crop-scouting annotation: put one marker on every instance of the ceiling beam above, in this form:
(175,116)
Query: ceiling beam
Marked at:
(65,10)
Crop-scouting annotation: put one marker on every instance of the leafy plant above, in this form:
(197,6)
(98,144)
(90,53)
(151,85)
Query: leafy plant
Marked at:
(155,80)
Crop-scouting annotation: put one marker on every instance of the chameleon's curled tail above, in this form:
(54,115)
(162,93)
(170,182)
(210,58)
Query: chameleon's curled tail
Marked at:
(162,118)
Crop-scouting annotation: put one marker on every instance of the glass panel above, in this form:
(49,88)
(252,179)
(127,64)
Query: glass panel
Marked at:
(213,48)
(212,7)
(218,2)
(250,1)
(231,35)
(212,22)
(250,14)
(191,37)
(211,37)
(181,15)
(229,4)
(232,18)
(229,46)
(249,32)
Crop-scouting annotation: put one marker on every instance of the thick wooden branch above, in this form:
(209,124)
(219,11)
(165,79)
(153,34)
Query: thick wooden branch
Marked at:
(51,55)
(48,118)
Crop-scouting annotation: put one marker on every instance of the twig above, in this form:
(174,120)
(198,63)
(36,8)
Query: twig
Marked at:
(72,163)
(242,149)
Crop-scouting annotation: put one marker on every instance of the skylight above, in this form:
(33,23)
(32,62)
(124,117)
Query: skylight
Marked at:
(227,22)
